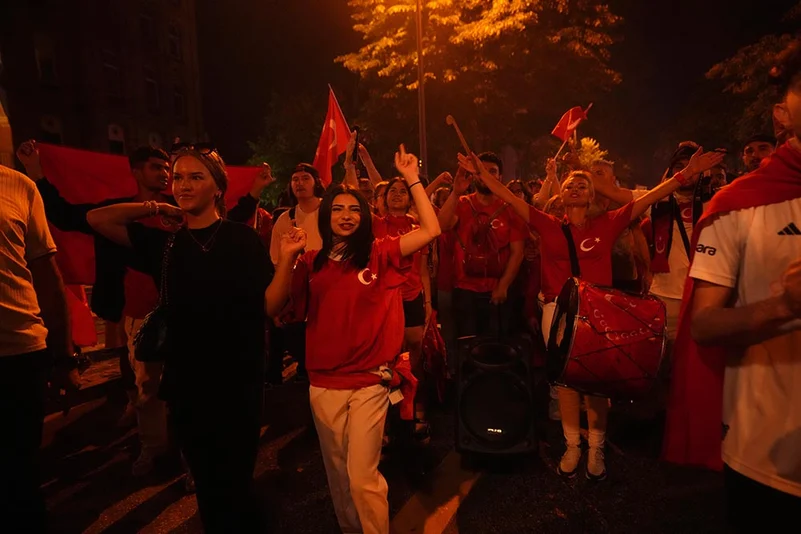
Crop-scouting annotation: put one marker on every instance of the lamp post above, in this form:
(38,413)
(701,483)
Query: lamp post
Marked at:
(421,93)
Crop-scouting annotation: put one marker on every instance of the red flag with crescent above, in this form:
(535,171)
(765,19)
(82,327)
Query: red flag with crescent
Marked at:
(333,139)
(569,122)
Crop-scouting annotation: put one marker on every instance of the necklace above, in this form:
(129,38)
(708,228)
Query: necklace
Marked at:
(205,247)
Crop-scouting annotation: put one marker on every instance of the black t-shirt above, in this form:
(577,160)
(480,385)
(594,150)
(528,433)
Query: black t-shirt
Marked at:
(215,312)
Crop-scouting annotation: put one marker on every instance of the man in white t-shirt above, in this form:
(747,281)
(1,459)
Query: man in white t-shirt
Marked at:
(305,192)
(34,336)
(747,297)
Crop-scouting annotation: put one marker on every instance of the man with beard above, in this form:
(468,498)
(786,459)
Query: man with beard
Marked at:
(489,250)
(757,148)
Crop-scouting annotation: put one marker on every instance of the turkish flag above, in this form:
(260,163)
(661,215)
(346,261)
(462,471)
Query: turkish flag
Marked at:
(333,140)
(569,122)
(84,177)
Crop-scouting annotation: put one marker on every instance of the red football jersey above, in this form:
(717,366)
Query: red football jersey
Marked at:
(392,226)
(594,243)
(354,316)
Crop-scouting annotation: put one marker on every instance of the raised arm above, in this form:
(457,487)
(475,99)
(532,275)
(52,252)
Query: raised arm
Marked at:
(246,208)
(699,163)
(350,167)
(447,214)
(277,293)
(429,225)
(444,178)
(112,221)
(612,191)
(372,172)
(62,214)
(550,186)
(474,165)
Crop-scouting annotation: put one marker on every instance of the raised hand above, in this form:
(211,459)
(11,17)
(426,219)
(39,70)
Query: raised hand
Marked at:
(462,181)
(550,168)
(700,162)
(293,242)
(28,154)
(351,147)
(262,179)
(406,163)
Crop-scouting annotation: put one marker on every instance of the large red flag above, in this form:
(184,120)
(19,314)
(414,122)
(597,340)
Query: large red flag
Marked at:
(569,122)
(83,177)
(333,139)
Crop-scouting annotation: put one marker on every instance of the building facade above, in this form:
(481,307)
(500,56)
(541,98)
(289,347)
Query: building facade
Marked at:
(104,75)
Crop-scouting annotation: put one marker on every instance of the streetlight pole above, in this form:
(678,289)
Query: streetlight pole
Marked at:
(421,93)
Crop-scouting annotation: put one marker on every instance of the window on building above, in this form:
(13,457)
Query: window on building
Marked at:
(51,131)
(147,31)
(46,59)
(179,102)
(152,91)
(175,42)
(111,76)
(116,139)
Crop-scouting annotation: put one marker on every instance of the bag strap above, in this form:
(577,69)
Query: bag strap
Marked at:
(679,220)
(292,216)
(165,262)
(571,249)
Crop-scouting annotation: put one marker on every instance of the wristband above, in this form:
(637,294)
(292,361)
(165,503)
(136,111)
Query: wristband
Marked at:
(414,184)
(679,176)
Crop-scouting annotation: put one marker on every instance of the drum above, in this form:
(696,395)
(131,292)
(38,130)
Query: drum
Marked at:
(606,342)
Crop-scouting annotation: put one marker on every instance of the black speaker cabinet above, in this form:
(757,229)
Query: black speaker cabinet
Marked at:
(495,404)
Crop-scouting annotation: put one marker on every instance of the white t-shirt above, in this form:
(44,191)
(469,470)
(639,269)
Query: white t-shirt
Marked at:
(24,237)
(671,285)
(748,251)
(306,221)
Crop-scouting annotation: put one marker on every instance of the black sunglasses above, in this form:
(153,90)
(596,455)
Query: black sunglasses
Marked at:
(202,148)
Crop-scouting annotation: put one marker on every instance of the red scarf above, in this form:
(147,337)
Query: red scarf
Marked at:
(693,429)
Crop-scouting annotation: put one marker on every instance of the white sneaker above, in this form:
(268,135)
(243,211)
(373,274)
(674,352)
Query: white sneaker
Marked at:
(144,464)
(596,466)
(570,460)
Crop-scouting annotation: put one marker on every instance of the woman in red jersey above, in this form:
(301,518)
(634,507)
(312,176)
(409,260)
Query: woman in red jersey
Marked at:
(594,239)
(416,291)
(353,290)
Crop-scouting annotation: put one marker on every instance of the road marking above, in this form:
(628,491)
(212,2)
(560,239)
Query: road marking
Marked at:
(429,512)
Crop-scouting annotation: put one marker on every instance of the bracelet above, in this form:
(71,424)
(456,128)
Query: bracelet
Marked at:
(414,184)
(679,176)
(152,207)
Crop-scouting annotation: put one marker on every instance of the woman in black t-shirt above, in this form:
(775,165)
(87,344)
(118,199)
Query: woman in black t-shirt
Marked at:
(218,294)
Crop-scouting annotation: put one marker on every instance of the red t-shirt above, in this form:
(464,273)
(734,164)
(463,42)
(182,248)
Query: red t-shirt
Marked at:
(355,317)
(446,243)
(392,226)
(507,227)
(594,243)
(141,291)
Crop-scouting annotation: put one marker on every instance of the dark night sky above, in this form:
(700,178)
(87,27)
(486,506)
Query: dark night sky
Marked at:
(250,48)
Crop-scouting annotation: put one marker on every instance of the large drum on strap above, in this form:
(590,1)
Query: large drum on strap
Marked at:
(606,342)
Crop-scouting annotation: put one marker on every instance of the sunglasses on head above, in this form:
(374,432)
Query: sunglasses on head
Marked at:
(202,148)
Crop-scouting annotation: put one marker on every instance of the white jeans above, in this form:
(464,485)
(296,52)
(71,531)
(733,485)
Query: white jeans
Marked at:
(151,412)
(350,426)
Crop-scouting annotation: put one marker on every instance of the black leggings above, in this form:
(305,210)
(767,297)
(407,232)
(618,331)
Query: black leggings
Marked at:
(220,441)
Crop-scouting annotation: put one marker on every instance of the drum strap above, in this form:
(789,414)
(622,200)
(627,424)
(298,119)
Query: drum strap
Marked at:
(571,249)
(678,220)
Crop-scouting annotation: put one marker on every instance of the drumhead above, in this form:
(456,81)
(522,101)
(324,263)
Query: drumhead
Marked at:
(563,329)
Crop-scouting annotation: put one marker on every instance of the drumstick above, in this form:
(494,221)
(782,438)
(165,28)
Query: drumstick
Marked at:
(450,121)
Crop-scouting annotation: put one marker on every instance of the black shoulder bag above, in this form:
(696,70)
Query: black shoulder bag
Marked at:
(149,340)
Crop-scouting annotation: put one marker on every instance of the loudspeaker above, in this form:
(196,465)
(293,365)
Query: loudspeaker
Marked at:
(494,401)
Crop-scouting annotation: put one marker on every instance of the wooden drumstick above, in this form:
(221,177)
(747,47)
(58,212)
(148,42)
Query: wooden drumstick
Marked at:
(450,121)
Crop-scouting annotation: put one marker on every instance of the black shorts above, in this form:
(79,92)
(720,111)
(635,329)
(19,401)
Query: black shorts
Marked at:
(414,311)
(755,507)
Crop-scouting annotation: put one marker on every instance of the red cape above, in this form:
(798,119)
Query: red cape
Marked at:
(693,429)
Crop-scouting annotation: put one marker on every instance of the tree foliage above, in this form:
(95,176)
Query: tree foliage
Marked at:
(507,69)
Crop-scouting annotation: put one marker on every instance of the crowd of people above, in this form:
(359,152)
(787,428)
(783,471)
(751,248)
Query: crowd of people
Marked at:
(346,279)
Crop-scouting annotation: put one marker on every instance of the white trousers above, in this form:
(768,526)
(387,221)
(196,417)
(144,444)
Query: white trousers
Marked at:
(350,426)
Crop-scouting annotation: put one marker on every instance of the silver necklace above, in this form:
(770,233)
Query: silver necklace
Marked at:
(207,246)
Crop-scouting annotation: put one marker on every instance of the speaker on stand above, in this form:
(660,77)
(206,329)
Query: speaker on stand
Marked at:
(494,400)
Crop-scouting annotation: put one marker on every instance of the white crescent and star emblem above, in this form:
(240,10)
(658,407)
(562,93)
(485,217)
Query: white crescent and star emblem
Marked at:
(333,125)
(585,248)
(687,214)
(495,224)
(660,249)
(363,274)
